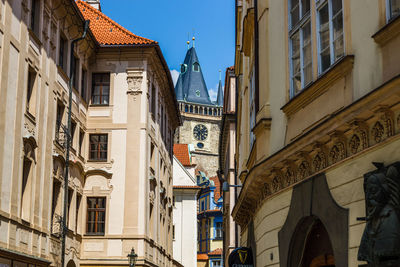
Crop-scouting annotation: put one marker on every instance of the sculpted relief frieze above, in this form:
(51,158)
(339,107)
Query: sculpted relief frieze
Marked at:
(354,138)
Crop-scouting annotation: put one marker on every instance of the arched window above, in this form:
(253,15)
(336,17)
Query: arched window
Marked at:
(183,68)
(209,111)
(191,109)
(196,67)
(186,108)
(196,110)
(215,112)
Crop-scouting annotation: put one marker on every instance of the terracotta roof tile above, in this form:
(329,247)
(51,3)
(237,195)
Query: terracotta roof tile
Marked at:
(202,256)
(181,152)
(217,251)
(217,191)
(108,32)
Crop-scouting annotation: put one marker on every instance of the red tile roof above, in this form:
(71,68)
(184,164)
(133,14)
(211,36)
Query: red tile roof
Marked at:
(217,191)
(203,256)
(217,251)
(106,31)
(181,152)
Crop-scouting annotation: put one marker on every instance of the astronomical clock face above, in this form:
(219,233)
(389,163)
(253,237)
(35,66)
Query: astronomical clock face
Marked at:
(200,132)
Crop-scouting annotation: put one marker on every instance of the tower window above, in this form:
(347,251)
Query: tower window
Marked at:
(197,93)
(183,68)
(196,67)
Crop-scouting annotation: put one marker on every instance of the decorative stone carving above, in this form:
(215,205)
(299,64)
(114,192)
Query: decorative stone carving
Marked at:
(266,190)
(337,153)
(134,80)
(355,144)
(276,184)
(319,162)
(304,171)
(290,176)
(381,238)
(377,132)
(151,197)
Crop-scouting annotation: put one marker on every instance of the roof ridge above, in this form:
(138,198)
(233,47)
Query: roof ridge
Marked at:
(110,20)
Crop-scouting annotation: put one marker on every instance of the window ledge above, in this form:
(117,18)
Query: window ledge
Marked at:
(320,86)
(387,32)
(63,73)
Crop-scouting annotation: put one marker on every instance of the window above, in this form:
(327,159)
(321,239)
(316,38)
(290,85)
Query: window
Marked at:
(98,147)
(202,205)
(101,88)
(62,53)
(186,108)
(252,107)
(153,101)
(76,72)
(35,16)
(73,128)
(300,45)
(393,9)
(173,232)
(218,230)
(31,92)
(96,213)
(83,84)
(183,68)
(217,263)
(196,67)
(330,33)
(25,190)
(81,137)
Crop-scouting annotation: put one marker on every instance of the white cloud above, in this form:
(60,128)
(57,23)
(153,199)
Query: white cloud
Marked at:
(213,92)
(175,75)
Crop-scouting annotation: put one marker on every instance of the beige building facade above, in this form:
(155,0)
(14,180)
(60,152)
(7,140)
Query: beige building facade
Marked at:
(124,114)
(318,103)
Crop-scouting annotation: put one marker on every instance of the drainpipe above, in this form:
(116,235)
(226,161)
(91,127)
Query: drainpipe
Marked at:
(256,59)
(70,83)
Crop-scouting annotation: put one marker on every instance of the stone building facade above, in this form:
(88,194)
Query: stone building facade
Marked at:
(318,103)
(123,116)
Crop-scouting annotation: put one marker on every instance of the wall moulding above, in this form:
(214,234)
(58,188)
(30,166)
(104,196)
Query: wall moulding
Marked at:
(366,124)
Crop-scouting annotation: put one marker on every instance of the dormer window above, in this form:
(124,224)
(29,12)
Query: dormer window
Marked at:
(197,93)
(183,68)
(196,67)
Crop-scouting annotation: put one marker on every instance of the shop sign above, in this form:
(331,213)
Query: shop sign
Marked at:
(241,257)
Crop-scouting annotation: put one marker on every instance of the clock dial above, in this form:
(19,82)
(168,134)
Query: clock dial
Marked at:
(200,132)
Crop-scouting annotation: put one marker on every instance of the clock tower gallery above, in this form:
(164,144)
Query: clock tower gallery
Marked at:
(201,117)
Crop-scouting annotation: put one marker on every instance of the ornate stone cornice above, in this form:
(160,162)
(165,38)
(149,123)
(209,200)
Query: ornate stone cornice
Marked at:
(364,124)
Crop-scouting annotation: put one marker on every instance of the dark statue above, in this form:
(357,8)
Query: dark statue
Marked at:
(380,243)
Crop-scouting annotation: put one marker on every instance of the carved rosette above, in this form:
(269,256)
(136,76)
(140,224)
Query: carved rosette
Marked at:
(134,80)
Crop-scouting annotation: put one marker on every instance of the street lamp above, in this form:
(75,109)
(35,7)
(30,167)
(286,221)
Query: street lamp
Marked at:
(132,257)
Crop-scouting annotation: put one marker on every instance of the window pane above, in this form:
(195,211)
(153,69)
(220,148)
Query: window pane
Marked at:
(338,26)
(296,77)
(338,47)
(294,12)
(324,27)
(305,7)
(325,59)
(336,6)
(394,8)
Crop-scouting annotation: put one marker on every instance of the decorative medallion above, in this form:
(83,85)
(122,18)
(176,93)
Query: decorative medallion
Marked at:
(377,132)
(354,144)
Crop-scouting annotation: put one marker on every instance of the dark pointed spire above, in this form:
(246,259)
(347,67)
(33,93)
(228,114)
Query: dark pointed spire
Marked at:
(191,86)
(220,96)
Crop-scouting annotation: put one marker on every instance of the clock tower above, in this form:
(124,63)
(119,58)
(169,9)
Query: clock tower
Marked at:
(201,117)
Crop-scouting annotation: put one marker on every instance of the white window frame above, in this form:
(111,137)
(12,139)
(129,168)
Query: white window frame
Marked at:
(389,11)
(320,4)
(303,20)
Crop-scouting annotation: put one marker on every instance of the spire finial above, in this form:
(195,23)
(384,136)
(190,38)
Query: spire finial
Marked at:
(220,75)
(193,40)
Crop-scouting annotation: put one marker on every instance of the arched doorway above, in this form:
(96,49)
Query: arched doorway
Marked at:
(311,245)
(71,263)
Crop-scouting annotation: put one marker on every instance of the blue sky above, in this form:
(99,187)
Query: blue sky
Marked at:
(170,21)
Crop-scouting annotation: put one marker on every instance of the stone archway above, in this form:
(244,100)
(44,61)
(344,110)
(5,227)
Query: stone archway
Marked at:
(311,245)
(71,263)
(313,211)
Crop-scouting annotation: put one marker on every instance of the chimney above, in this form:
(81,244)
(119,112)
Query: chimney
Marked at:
(94,3)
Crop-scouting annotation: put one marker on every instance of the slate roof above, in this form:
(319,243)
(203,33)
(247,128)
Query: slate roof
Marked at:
(108,32)
(220,96)
(191,86)
(181,152)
